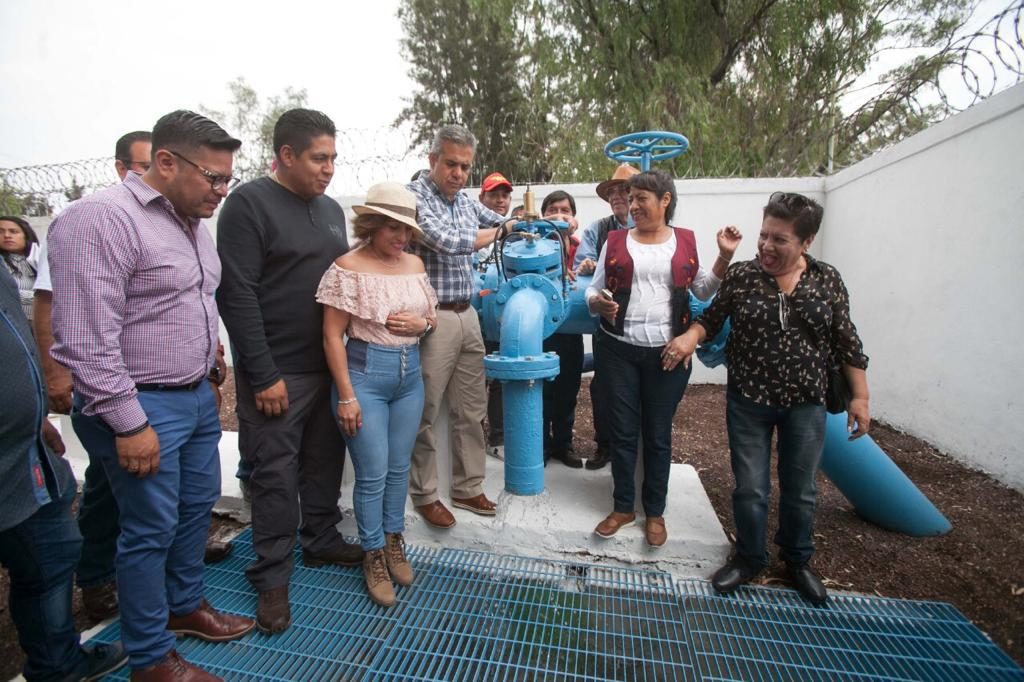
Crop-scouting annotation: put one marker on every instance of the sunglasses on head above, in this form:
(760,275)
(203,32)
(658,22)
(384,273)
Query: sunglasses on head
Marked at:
(791,200)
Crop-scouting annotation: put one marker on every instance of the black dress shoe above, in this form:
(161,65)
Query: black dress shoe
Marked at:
(600,458)
(736,572)
(566,457)
(807,583)
(344,554)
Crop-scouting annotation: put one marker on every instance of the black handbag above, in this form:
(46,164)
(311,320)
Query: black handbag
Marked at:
(837,392)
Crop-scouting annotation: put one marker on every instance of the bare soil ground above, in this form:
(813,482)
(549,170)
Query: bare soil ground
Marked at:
(977,567)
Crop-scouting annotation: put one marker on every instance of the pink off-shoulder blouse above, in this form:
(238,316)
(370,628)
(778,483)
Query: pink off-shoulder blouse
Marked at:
(370,297)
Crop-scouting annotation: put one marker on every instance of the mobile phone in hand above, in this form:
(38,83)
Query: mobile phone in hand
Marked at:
(606,294)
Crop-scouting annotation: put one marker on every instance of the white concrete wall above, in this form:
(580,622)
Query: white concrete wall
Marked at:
(929,237)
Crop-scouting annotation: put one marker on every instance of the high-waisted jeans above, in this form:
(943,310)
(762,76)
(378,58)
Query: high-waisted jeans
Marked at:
(389,386)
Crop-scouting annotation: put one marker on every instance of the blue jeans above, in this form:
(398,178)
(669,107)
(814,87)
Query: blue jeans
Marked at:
(389,386)
(40,554)
(165,517)
(801,435)
(642,399)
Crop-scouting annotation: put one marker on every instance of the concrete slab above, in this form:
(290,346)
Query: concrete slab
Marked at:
(556,524)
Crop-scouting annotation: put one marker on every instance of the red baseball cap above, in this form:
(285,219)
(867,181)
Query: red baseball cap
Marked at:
(494,181)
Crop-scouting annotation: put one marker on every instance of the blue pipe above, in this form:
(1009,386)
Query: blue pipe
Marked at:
(876,487)
(521,365)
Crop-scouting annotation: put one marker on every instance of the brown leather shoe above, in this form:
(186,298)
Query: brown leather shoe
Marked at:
(273,612)
(436,514)
(478,505)
(209,624)
(613,522)
(654,529)
(217,551)
(378,582)
(100,601)
(173,668)
(345,554)
(394,554)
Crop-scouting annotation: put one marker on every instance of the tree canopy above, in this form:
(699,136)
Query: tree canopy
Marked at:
(252,120)
(760,87)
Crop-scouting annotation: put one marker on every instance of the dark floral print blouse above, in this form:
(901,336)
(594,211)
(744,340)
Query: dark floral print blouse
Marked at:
(778,349)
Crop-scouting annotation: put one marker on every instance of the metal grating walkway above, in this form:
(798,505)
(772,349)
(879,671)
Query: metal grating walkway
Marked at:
(474,615)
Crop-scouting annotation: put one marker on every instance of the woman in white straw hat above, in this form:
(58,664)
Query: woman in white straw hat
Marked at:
(379,296)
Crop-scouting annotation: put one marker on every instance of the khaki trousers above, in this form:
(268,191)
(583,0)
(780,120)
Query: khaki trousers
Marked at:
(452,358)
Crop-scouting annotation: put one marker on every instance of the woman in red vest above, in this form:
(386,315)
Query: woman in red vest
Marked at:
(641,291)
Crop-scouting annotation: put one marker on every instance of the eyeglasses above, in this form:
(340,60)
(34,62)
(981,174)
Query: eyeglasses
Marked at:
(793,201)
(216,181)
(783,312)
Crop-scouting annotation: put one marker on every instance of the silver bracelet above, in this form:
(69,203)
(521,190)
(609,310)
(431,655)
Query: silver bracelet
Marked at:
(349,401)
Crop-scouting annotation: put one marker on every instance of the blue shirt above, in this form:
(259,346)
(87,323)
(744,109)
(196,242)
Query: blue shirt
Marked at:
(449,234)
(589,247)
(30,475)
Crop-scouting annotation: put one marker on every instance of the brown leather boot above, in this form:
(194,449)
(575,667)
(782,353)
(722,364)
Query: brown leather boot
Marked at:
(173,668)
(100,601)
(273,612)
(394,554)
(378,582)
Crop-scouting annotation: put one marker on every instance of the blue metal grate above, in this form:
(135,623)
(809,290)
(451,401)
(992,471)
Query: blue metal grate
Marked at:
(475,615)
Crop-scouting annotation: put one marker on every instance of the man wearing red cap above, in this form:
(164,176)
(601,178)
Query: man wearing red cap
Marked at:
(496,193)
(613,191)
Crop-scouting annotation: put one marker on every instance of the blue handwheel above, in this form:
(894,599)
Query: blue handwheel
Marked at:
(652,145)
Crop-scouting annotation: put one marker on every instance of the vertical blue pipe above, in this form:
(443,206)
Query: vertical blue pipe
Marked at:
(522,336)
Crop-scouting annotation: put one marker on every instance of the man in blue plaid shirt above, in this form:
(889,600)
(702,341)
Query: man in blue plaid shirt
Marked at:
(452,357)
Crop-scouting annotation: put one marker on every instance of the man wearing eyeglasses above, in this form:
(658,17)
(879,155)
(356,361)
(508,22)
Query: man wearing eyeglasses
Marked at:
(134,272)
(277,236)
(97,508)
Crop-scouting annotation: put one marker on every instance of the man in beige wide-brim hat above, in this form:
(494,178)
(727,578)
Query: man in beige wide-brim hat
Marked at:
(616,193)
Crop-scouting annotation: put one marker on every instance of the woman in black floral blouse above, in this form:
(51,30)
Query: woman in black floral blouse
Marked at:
(790,313)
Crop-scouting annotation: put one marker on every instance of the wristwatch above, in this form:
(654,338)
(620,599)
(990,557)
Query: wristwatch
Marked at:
(215,376)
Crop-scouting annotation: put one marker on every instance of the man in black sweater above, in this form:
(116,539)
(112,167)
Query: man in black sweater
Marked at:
(276,237)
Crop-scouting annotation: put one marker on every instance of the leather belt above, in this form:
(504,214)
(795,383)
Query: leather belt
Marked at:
(458,306)
(170,387)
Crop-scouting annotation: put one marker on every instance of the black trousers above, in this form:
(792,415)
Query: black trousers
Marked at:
(297,460)
(560,394)
(599,398)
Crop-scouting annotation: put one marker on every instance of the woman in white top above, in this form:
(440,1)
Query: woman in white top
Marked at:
(379,296)
(641,291)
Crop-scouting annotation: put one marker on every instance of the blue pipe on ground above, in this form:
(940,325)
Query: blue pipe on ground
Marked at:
(876,487)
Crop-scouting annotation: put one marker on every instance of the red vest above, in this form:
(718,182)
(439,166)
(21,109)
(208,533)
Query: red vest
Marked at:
(618,277)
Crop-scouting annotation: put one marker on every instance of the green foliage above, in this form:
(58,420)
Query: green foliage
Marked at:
(760,87)
(252,120)
(15,202)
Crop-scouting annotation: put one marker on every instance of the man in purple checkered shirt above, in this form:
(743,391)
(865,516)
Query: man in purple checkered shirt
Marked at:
(134,271)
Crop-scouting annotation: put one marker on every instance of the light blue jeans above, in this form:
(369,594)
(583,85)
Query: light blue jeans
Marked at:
(388,383)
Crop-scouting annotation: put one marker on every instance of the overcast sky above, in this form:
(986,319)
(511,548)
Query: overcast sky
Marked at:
(77,74)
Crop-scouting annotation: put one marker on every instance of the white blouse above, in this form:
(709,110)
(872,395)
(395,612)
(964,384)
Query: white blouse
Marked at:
(648,319)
